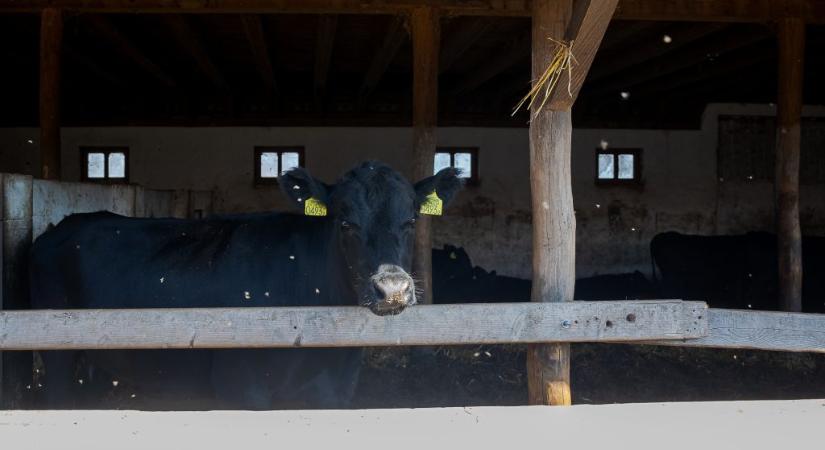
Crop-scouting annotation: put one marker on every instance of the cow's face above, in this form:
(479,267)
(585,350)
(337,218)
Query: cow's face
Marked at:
(373,211)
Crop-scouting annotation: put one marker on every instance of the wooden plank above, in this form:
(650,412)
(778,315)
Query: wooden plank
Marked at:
(761,330)
(351,326)
(253,28)
(554,223)
(754,11)
(51,38)
(185,36)
(426,36)
(791,34)
(125,47)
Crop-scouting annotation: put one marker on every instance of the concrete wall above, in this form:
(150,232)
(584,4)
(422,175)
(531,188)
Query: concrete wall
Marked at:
(681,189)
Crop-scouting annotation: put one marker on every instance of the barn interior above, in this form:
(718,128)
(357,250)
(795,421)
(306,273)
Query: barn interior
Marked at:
(192,100)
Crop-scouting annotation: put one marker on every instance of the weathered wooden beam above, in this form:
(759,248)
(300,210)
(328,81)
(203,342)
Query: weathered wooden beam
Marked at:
(517,51)
(426,33)
(51,41)
(253,28)
(586,29)
(791,34)
(457,43)
(327,24)
(554,224)
(760,330)
(125,47)
(759,11)
(395,36)
(191,44)
(351,326)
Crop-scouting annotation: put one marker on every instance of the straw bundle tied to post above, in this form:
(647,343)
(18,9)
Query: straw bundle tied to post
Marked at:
(562,61)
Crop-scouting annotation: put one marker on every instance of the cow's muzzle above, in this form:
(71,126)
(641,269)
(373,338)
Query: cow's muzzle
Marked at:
(393,288)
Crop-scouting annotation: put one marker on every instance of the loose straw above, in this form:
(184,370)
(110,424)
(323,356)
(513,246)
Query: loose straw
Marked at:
(562,60)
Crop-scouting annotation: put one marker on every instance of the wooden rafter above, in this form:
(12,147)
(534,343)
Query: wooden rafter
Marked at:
(395,36)
(253,28)
(91,66)
(812,11)
(681,36)
(125,47)
(188,40)
(327,24)
(676,62)
(461,40)
(517,51)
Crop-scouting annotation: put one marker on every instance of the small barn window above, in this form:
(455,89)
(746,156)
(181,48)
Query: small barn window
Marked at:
(618,166)
(463,158)
(104,164)
(271,162)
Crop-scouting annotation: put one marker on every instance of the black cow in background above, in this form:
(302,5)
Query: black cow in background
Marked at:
(353,246)
(734,271)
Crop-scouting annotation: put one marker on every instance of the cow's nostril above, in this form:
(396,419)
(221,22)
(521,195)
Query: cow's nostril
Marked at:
(379,293)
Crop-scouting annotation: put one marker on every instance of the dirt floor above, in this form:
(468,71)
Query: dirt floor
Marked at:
(601,373)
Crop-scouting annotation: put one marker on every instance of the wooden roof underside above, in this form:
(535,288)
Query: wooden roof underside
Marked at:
(355,69)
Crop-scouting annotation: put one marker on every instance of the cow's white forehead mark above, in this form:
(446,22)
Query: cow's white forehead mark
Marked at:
(162,279)
(246,295)
(296,187)
(115,383)
(317,291)
(291,256)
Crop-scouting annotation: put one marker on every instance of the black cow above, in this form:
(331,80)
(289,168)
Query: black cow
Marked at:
(353,246)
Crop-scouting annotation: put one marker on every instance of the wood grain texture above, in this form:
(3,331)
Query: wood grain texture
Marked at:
(791,34)
(554,225)
(761,330)
(351,326)
(51,38)
(426,35)
(586,29)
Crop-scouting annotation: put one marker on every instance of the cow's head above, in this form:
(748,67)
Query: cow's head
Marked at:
(373,210)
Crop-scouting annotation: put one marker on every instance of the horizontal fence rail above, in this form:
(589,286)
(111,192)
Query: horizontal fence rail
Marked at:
(503,323)
(760,330)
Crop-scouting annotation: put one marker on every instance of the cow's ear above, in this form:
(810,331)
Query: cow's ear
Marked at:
(306,192)
(435,192)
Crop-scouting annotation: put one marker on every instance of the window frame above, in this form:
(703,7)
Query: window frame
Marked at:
(279,149)
(474,179)
(616,181)
(85,150)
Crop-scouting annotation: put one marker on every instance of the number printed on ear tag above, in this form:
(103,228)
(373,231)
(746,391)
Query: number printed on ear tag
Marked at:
(432,205)
(315,207)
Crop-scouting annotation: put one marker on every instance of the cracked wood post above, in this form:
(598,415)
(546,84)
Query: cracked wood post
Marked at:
(554,222)
(51,36)
(791,34)
(425,40)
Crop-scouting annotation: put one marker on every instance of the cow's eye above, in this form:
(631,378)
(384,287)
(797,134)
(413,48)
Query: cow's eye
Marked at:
(410,223)
(348,226)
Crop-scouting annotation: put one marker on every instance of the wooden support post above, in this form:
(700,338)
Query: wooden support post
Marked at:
(791,33)
(554,222)
(425,39)
(51,35)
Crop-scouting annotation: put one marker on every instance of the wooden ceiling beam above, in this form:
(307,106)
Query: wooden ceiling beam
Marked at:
(124,46)
(461,40)
(92,67)
(681,36)
(395,36)
(812,11)
(253,28)
(185,37)
(517,52)
(678,61)
(327,25)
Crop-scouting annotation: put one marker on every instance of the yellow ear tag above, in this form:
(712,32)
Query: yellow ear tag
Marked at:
(432,205)
(315,207)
